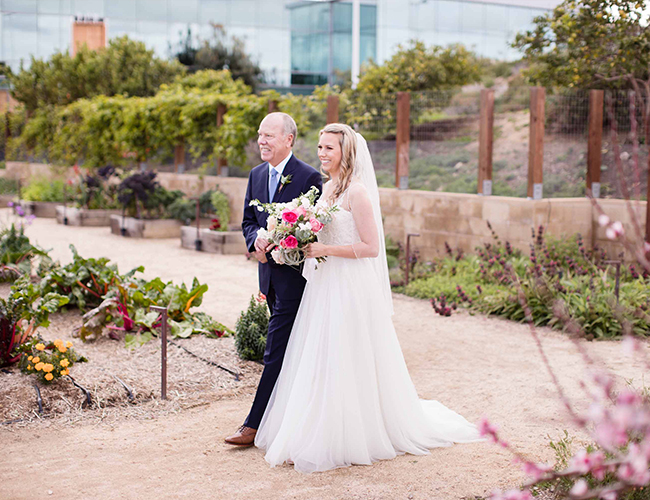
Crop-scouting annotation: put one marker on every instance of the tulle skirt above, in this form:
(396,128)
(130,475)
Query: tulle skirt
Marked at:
(344,395)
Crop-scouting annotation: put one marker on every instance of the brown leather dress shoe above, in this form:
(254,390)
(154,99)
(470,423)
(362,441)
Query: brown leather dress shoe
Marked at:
(245,436)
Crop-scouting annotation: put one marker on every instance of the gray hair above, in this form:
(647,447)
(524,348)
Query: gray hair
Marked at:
(290,126)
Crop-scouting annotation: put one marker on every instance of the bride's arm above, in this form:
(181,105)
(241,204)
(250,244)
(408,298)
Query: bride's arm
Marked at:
(361,209)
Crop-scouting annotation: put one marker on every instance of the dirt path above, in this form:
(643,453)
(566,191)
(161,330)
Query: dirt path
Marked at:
(473,364)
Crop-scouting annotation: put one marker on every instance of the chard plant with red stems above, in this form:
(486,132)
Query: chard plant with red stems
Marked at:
(617,465)
(21,314)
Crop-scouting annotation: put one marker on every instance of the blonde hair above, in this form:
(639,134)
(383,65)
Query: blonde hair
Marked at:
(348,143)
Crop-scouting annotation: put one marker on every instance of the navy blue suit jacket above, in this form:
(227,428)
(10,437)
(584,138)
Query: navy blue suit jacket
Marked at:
(287,281)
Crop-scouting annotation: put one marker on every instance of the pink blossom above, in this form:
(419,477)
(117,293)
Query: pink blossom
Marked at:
(276,254)
(289,242)
(584,462)
(289,216)
(315,225)
(615,231)
(630,345)
(485,428)
(536,471)
(603,220)
(646,247)
(301,211)
(511,495)
(580,488)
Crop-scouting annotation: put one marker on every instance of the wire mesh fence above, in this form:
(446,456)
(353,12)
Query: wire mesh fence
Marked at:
(444,141)
(565,144)
(623,119)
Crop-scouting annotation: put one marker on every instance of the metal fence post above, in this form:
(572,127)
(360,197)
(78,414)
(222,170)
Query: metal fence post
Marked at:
(163,350)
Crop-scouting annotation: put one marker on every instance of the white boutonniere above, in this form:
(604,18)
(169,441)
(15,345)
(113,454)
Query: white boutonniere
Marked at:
(284,179)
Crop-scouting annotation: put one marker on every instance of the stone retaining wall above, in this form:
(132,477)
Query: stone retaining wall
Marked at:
(459,219)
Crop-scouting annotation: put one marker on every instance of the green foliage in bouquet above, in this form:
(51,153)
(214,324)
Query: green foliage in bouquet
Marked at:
(251,330)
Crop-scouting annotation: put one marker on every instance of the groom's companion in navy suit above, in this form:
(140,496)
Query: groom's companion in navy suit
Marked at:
(282,285)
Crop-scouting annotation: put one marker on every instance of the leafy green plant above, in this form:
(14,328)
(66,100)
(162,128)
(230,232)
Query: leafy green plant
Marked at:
(42,189)
(221,207)
(49,361)
(16,252)
(21,314)
(251,329)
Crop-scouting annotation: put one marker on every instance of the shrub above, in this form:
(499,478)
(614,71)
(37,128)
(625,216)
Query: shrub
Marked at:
(42,189)
(221,209)
(49,361)
(251,329)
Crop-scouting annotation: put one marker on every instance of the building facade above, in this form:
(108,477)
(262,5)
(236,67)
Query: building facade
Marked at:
(295,42)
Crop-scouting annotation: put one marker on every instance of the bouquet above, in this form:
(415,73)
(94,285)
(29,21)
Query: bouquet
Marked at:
(294,225)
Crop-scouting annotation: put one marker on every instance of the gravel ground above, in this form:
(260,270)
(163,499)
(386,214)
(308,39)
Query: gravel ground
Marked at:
(174,449)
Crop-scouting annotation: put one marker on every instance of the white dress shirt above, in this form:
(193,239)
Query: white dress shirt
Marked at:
(280,166)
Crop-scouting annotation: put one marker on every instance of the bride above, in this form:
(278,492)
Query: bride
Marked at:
(344,395)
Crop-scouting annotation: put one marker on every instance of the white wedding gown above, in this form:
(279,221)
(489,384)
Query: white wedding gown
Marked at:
(344,395)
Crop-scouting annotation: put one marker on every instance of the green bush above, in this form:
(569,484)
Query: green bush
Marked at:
(561,281)
(251,330)
(221,209)
(42,189)
(8,186)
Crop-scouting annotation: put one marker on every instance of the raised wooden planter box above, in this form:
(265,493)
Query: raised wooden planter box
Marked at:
(221,242)
(45,209)
(83,217)
(139,228)
(5,199)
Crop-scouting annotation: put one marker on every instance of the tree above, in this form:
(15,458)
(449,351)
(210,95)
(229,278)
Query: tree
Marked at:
(417,67)
(219,52)
(124,67)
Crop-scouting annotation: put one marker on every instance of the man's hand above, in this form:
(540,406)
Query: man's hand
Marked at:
(262,245)
(261,256)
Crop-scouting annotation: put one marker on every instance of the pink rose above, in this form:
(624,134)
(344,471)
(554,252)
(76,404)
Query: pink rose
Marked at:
(315,225)
(289,242)
(290,216)
(301,211)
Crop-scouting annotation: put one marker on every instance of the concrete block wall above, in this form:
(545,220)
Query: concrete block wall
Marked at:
(458,219)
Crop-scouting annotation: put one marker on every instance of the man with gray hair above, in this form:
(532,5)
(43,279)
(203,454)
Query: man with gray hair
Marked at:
(281,178)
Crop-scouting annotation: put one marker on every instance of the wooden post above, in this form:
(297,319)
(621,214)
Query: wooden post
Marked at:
(594,149)
(403,140)
(485,142)
(221,162)
(332,109)
(536,144)
(179,158)
(273,106)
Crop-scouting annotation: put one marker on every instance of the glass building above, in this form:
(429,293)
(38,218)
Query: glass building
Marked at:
(294,42)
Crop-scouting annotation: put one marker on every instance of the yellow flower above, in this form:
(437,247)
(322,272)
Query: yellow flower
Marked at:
(49,377)
(29,367)
(40,347)
(39,366)
(30,358)
(57,342)
(65,372)
(68,344)
(64,362)
(62,348)
(48,367)
(35,360)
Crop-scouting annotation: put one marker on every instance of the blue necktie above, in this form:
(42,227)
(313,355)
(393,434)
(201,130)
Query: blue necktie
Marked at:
(273,183)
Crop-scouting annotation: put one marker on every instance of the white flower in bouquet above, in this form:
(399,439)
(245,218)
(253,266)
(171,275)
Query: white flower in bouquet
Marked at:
(294,225)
